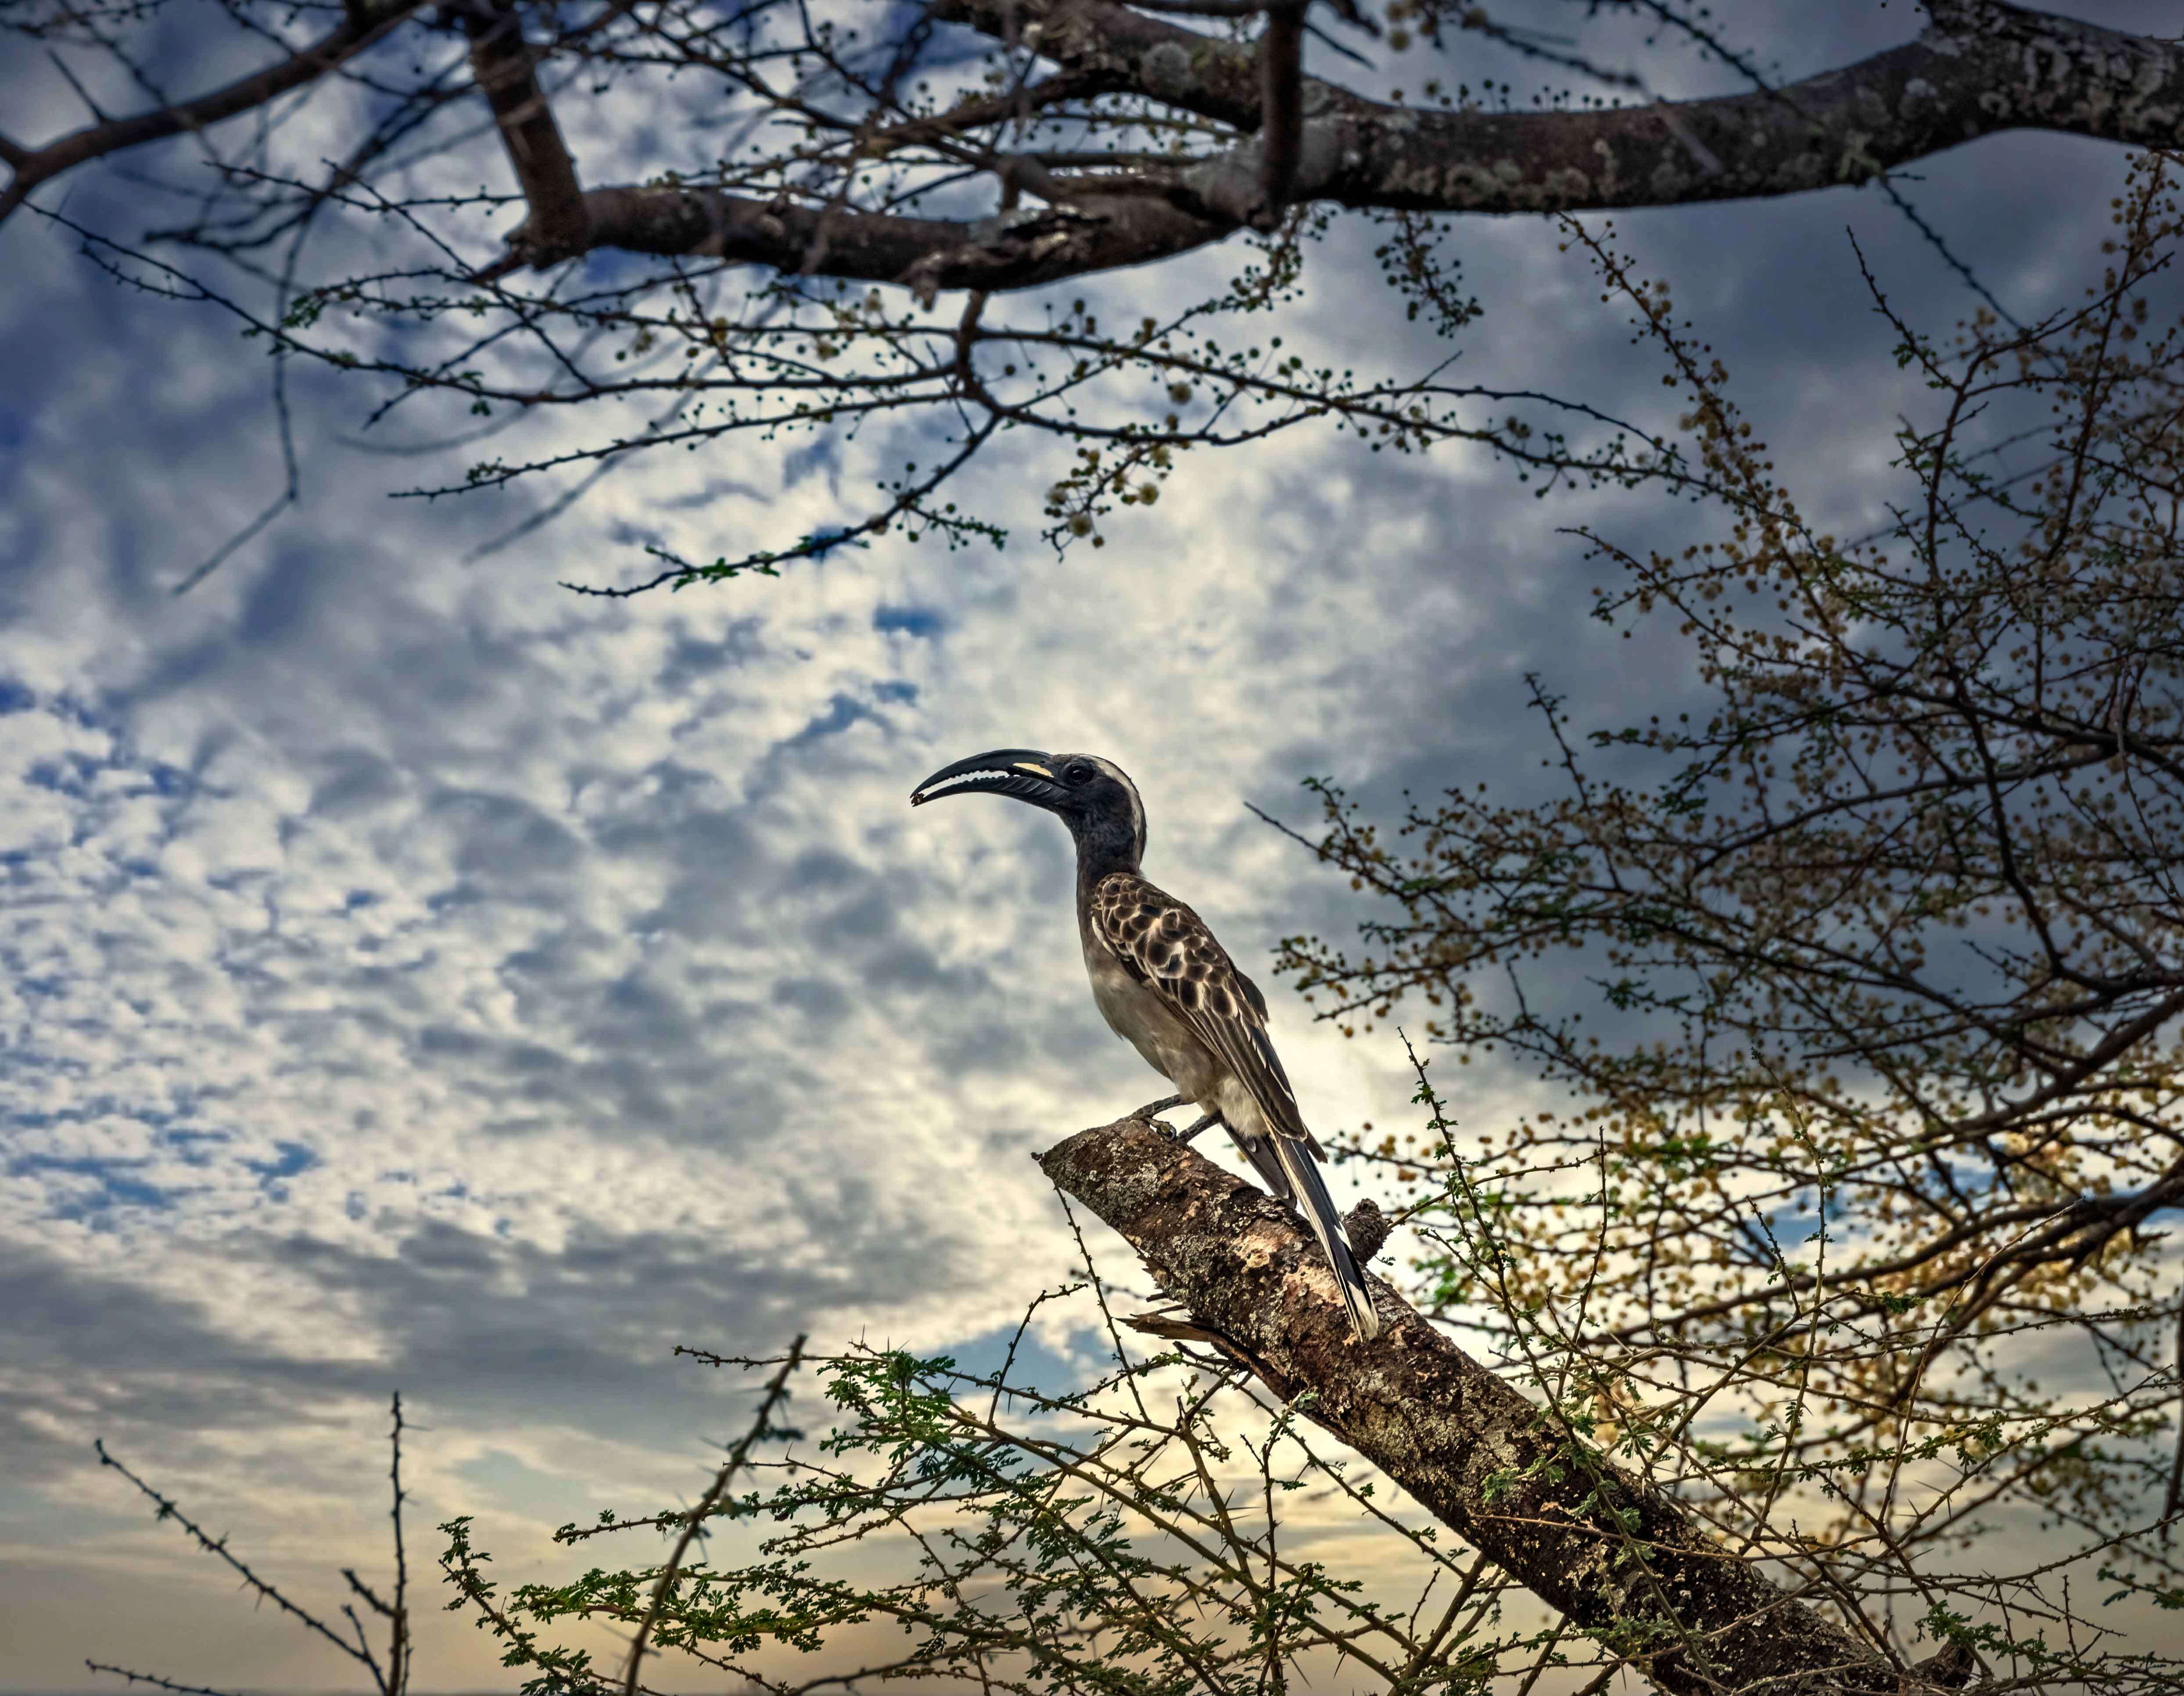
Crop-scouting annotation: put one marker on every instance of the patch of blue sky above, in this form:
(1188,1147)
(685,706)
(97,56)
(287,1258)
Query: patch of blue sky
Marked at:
(290,1160)
(945,45)
(610,268)
(1795,1225)
(107,1185)
(196,1148)
(842,711)
(516,1485)
(65,775)
(825,454)
(161,1123)
(909,621)
(1081,1357)
(120,772)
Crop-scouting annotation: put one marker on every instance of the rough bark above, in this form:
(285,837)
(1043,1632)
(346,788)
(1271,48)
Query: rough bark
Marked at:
(1981,69)
(1618,1558)
(1020,248)
(1129,51)
(1281,110)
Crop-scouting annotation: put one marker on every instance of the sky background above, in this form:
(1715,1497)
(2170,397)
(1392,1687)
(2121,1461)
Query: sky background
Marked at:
(413,975)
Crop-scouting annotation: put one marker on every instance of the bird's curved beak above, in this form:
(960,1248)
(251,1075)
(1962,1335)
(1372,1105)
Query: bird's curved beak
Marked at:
(1023,772)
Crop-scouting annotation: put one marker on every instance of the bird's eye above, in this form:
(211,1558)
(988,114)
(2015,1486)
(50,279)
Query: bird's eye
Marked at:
(1079,773)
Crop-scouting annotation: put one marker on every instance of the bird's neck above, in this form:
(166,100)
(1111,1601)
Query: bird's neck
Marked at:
(1104,847)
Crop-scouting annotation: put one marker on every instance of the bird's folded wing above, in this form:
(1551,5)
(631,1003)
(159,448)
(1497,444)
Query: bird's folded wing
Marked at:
(1164,945)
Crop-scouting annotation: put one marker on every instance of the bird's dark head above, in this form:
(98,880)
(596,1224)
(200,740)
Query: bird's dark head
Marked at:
(1089,794)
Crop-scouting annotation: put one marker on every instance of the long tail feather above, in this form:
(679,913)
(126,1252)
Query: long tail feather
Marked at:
(1259,1151)
(1303,1174)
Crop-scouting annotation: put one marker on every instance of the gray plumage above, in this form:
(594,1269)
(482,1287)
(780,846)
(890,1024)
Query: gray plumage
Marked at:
(1168,986)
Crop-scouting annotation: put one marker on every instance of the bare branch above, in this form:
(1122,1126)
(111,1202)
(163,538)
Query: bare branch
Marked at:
(154,1679)
(1984,66)
(761,1425)
(169,1510)
(368,21)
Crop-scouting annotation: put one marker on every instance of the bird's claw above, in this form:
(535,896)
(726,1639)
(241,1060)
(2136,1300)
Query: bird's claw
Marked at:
(1153,1109)
(1205,1121)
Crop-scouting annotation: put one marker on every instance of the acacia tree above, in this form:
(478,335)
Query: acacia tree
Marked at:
(1865,980)
(804,184)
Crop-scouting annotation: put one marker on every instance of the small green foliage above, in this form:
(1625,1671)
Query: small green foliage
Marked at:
(1082,1547)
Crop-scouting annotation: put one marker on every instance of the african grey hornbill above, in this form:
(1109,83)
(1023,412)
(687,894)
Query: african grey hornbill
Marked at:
(1168,986)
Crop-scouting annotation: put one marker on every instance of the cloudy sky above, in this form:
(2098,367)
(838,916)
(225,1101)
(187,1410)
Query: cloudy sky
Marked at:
(415,977)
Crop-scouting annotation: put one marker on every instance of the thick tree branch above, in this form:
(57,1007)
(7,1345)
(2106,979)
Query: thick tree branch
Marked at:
(1984,67)
(1281,128)
(559,224)
(1130,52)
(1020,248)
(1616,1557)
(367,21)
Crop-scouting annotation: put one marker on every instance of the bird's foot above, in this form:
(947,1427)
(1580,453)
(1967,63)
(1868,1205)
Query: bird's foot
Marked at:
(1153,1109)
(1205,1121)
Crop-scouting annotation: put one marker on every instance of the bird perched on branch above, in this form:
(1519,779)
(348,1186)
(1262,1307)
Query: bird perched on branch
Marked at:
(1166,987)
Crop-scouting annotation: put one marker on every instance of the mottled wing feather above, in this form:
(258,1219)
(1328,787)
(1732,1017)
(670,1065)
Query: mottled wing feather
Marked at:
(1163,944)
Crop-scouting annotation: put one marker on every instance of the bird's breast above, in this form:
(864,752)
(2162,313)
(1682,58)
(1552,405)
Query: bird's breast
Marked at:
(1156,1031)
